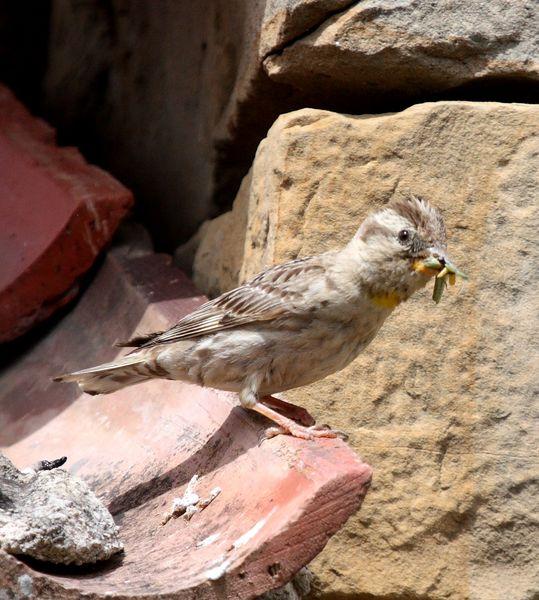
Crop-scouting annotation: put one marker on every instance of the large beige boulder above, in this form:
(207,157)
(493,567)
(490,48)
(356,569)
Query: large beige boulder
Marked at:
(443,402)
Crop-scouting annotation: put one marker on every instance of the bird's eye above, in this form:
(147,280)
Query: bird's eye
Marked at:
(404,235)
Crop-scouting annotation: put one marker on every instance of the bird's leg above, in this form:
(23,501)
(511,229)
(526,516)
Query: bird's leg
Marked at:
(249,399)
(289,426)
(292,411)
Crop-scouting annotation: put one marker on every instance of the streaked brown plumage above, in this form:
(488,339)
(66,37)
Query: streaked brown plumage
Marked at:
(293,323)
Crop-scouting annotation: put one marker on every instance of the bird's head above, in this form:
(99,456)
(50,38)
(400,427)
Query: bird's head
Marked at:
(402,246)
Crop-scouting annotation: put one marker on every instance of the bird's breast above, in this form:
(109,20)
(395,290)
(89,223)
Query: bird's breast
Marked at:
(325,347)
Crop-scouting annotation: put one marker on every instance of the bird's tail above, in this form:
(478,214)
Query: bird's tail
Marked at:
(109,377)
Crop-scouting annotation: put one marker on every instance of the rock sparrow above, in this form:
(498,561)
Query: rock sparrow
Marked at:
(293,323)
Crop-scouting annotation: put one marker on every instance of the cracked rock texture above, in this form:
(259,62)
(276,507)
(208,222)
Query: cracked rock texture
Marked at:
(442,404)
(413,47)
(287,20)
(54,517)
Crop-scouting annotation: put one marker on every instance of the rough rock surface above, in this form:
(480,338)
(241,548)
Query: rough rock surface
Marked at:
(286,20)
(442,402)
(412,47)
(148,84)
(174,97)
(298,588)
(56,214)
(54,517)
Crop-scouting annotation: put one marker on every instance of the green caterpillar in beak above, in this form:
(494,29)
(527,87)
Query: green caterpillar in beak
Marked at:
(447,272)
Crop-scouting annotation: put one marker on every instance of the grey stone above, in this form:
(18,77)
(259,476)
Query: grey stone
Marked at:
(286,20)
(411,48)
(296,589)
(54,517)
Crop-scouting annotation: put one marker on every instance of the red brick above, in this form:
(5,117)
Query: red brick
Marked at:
(56,214)
(281,500)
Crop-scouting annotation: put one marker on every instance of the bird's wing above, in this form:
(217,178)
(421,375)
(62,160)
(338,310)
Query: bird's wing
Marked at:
(271,294)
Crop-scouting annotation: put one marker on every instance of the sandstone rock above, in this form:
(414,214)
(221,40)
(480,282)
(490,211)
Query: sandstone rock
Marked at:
(441,403)
(411,48)
(54,517)
(225,235)
(57,212)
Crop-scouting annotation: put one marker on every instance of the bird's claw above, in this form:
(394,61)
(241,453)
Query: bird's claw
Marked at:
(304,433)
(338,432)
(271,432)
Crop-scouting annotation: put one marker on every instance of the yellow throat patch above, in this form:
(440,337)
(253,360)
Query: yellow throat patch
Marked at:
(388,300)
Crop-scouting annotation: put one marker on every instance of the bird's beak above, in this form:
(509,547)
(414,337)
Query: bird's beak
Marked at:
(442,268)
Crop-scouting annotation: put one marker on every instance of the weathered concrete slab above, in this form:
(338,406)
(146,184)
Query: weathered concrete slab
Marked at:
(139,447)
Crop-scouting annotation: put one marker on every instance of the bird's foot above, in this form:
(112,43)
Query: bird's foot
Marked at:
(305,433)
(291,411)
(288,426)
